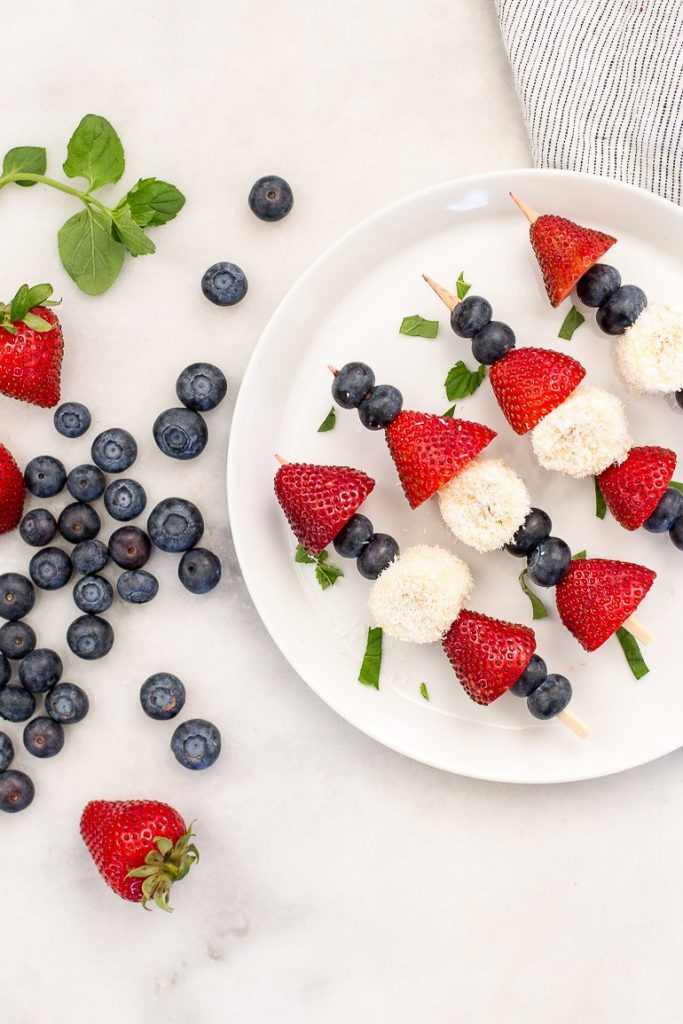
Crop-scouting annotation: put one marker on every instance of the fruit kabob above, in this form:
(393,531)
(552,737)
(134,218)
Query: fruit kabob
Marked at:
(486,505)
(419,595)
(575,429)
(649,349)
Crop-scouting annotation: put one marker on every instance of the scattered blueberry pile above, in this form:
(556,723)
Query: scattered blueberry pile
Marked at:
(196,743)
(175,525)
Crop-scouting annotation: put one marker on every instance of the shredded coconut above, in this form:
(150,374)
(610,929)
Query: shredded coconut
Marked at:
(584,435)
(650,353)
(485,504)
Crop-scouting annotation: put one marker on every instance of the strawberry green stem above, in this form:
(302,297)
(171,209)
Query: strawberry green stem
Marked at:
(42,179)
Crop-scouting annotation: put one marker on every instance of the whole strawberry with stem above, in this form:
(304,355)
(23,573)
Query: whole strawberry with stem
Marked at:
(31,347)
(141,847)
(12,491)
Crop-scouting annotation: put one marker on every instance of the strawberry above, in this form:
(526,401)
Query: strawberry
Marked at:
(11,491)
(565,251)
(31,347)
(430,450)
(319,500)
(531,382)
(633,488)
(140,847)
(597,596)
(487,655)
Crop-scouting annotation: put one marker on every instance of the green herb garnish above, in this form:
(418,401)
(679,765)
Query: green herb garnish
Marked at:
(461,285)
(629,646)
(93,243)
(461,381)
(570,323)
(372,659)
(424,691)
(600,503)
(329,422)
(449,413)
(578,556)
(676,484)
(326,572)
(538,609)
(417,327)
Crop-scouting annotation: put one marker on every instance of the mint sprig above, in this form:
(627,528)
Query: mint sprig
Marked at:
(571,322)
(461,381)
(600,503)
(326,573)
(93,243)
(417,327)
(372,659)
(629,646)
(538,609)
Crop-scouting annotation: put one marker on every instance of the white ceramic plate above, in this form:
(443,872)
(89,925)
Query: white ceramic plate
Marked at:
(349,306)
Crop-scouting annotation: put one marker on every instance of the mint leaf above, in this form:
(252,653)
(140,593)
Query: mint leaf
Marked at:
(19,305)
(461,381)
(417,327)
(95,153)
(570,323)
(25,160)
(131,234)
(302,555)
(448,414)
(36,323)
(329,422)
(88,252)
(539,610)
(153,202)
(326,573)
(424,691)
(600,503)
(629,646)
(675,483)
(579,555)
(461,285)
(372,659)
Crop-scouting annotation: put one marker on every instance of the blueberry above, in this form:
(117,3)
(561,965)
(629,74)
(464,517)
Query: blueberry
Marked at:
(17,596)
(40,670)
(351,384)
(38,527)
(17,639)
(16,791)
(201,386)
(531,678)
(72,419)
(470,316)
(86,483)
(378,553)
(67,703)
(16,704)
(6,752)
(162,696)
(50,568)
(676,534)
(90,637)
(271,198)
(668,510)
(137,586)
(78,522)
(196,744)
(5,671)
(224,284)
(180,433)
(89,556)
(43,737)
(551,697)
(353,537)
(549,562)
(93,594)
(380,407)
(598,284)
(199,570)
(622,309)
(492,342)
(535,528)
(45,476)
(130,547)
(114,450)
(125,499)
(679,398)
(175,524)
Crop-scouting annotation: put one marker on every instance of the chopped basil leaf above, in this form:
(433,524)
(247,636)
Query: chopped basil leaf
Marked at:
(329,422)
(570,323)
(448,414)
(326,572)
(461,381)
(417,327)
(372,659)
(538,608)
(675,483)
(629,646)
(424,691)
(461,285)
(600,503)
(578,555)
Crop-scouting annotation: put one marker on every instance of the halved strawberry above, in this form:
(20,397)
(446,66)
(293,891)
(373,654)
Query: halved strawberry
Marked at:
(487,655)
(565,251)
(319,500)
(531,382)
(597,596)
(633,488)
(12,491)
(430,450)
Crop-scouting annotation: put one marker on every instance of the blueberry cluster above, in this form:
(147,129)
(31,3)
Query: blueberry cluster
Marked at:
(374,552)
(354,387)
(196,743)
(491,339)
(182,433)
(546,695)
(618,306)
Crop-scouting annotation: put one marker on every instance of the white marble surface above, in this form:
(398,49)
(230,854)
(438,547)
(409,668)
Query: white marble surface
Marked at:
(339,881)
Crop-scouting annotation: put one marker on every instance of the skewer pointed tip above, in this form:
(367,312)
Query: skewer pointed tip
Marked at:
(449,300)
(530,214)
(333,369)
(283,462)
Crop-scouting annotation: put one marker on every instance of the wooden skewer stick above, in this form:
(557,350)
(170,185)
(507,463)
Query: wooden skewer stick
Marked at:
(448,298)
(333,370)
(640,632)
(530,214)
(573,722)
(283,462)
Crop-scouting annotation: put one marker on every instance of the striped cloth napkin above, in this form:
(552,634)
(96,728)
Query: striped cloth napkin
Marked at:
(601,86)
